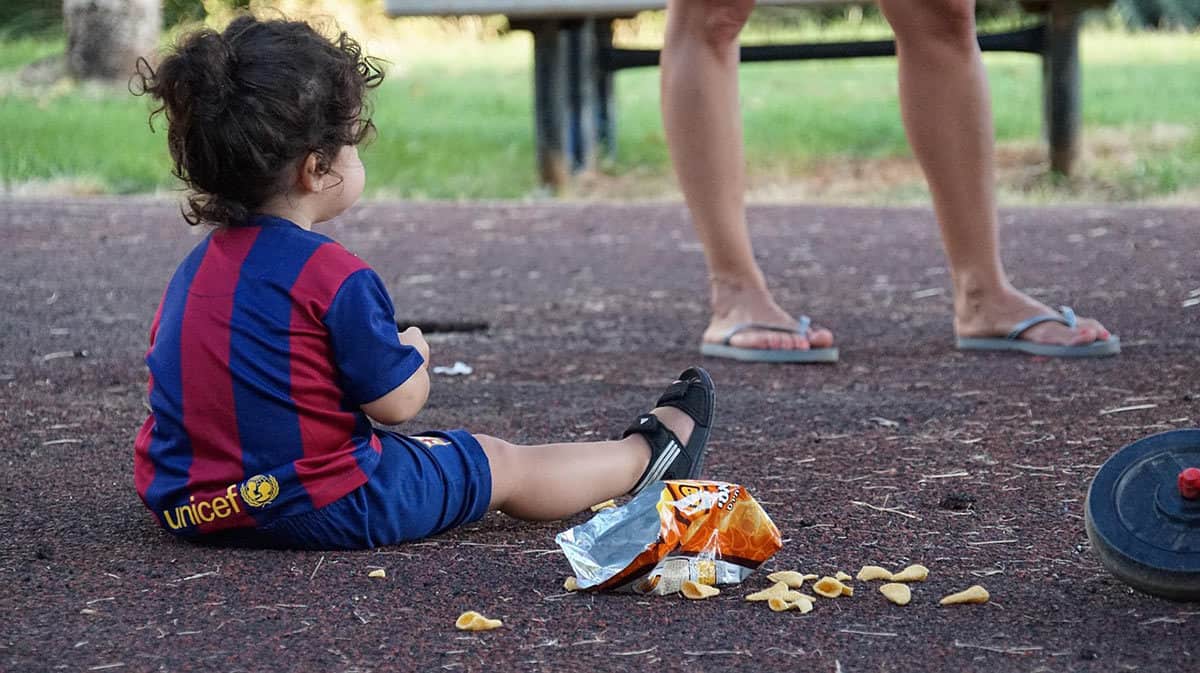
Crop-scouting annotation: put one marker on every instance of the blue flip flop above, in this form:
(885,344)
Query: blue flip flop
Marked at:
(1014,343)
(725,350)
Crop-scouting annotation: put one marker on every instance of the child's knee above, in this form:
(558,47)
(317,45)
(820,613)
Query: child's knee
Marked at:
(499,452)
(501,458)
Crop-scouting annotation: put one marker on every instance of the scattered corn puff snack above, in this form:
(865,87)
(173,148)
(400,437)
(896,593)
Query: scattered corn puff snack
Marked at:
(972,594)
(869,573)
(777,590)
(778,604)
(473,621)
(897,593)
(697,591)
(913,573)
(842,576)
(789,577)
(378,573)
(830,587)
(571,584)
(604,505)
(801,604)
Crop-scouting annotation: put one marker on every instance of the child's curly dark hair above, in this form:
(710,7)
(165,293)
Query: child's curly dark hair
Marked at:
(247,103)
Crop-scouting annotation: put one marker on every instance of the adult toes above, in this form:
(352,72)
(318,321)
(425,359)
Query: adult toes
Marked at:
(1098,330)
(820,338)
(775,341)
(797,342)
(1084,335)
(779,340)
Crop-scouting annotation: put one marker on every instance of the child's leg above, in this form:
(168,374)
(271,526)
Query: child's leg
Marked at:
(552,481)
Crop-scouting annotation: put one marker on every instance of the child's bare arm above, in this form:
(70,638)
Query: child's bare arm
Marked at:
(405,401)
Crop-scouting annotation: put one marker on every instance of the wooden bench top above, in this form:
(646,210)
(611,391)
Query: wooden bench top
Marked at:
(553,8)
(566,9)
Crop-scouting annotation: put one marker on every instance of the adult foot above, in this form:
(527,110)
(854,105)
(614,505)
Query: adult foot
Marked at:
(982,315)
(735,305)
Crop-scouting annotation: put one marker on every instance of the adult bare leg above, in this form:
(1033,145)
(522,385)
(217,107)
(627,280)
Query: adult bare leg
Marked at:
(947,115)
(702,119)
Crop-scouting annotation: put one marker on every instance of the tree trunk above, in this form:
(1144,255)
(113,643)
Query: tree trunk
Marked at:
(106,37)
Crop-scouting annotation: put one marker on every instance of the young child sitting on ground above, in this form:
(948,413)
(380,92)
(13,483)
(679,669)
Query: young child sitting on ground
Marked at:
(274,346)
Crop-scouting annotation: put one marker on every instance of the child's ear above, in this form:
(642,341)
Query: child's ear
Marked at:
(310,177)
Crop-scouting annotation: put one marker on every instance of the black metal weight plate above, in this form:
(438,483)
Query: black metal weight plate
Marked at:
(1140,525)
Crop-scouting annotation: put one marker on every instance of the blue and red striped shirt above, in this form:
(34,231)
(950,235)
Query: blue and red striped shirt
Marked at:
(268,340)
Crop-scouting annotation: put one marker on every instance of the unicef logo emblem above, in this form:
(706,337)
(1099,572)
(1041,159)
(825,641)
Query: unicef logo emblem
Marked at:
(260,490)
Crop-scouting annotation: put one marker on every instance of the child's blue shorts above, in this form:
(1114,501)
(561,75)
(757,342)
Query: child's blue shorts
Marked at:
(423,485)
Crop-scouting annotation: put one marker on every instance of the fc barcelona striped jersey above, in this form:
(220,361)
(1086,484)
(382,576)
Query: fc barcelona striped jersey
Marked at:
(268,340)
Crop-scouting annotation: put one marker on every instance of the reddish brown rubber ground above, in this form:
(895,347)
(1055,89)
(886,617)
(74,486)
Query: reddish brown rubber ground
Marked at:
(592,309)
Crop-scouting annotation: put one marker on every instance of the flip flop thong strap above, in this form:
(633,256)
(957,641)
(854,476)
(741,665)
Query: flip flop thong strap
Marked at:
(801,328)
(1067,318)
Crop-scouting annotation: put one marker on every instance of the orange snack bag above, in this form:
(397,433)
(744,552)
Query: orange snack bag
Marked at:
(710,532)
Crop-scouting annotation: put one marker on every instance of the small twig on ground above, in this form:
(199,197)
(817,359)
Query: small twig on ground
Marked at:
(1163,620)
(976,544)
(987,573)
(1017,649)
(891,510)
(204,574)
(314,572)
(486,544)
(1121,410)
(65,354)
(634,653)
(882,634)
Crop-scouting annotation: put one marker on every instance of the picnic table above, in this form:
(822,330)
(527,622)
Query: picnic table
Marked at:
(574,60)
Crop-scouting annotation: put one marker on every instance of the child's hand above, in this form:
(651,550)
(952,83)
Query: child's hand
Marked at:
(413,337)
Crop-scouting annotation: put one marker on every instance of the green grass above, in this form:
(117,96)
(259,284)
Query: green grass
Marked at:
(455,121)
(17,51)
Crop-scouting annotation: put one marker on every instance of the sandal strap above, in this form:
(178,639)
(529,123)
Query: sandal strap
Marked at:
(1067,318)
(652,429)
(695,405)
(801,327)
(665,447)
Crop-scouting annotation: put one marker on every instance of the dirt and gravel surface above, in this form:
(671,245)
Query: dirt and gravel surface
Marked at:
(906,451)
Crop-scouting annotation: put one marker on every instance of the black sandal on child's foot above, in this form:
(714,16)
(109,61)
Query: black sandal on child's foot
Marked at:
(694,394)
